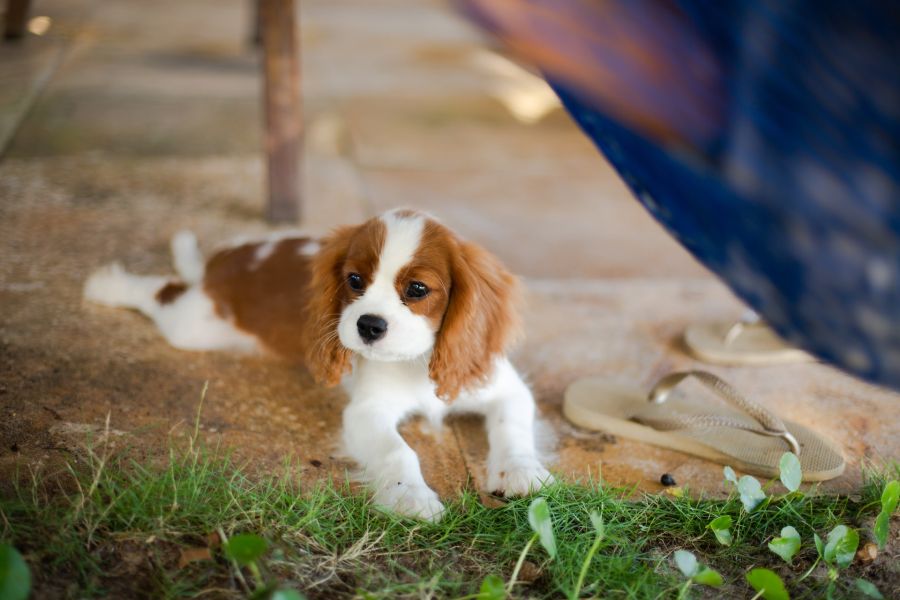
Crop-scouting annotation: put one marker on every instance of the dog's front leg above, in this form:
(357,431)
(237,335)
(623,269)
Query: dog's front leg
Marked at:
(513,465)
(390,465)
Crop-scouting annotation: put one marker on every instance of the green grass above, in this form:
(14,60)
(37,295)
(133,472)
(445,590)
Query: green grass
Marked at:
(118,527)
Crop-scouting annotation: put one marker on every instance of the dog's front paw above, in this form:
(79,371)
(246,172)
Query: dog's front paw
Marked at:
(418,501)
(517,477)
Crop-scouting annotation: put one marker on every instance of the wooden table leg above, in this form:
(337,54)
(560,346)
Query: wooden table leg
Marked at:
(283,115)
(16,18)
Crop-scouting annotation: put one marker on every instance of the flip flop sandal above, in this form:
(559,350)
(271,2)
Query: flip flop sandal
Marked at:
(739,433)
(748,341)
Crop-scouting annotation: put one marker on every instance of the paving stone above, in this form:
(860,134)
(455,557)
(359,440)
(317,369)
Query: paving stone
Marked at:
(463,133)
(23,74)
(566,223)
(396,49)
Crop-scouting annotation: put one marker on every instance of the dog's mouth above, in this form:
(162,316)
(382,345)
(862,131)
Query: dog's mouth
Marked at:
(376,353)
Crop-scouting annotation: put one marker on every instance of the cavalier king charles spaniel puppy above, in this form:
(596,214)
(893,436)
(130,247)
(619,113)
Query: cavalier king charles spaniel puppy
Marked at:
(410,318)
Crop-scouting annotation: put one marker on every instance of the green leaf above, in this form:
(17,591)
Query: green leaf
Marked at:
(840,546)
(721,528)
(707,576)
(768,584)
(287,595)
(820,546)
(15,578)
(730,475)
(597,522)
(881,528)
(787,545)
(889,499)
(748,487)
(723,522)
(867,588)
(541,524)
(790,474)
(686,562)
(492,588)
(245,548)
(751,492)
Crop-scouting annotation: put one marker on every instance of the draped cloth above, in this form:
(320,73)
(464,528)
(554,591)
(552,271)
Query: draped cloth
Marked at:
(764,135)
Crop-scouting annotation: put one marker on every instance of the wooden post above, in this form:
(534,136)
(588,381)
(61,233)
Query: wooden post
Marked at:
(16,18)
(283,116)
(255,37)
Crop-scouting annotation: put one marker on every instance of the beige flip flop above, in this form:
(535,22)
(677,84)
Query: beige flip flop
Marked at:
(748,341)
(738,432)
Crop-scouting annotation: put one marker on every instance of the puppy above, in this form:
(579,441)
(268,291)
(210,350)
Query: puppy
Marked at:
(409,317)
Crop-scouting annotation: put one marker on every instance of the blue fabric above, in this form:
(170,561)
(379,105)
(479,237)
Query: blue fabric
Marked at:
(793,200)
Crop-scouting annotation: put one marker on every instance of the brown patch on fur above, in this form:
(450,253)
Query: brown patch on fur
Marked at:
(170,292)
(347,250)
(431,265)
(267,298)
(481,319)
(363,254)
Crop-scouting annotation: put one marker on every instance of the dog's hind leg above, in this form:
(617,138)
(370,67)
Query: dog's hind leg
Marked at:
(186,255)
(190,321)
(184,314)
(114,286)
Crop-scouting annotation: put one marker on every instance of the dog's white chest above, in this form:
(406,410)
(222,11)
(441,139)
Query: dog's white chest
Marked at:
(404,385)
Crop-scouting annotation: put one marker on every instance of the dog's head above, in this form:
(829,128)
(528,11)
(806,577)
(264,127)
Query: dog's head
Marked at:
(403,287)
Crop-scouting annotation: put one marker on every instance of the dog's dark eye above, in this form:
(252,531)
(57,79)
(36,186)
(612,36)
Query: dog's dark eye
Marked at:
(416,289)
(355,281)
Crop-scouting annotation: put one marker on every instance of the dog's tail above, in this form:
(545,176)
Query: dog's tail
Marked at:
(189,261)
(114,286)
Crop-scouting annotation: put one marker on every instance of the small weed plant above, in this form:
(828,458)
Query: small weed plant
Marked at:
(837,551)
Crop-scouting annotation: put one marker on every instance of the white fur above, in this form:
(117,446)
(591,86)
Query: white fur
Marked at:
(191,323)
(114,286)
(408,335)
(263,252)
(186,255)
(310,248)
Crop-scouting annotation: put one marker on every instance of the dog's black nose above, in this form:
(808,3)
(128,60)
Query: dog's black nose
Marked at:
(371,328)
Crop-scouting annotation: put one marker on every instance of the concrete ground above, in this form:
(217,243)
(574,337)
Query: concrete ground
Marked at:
(128,121)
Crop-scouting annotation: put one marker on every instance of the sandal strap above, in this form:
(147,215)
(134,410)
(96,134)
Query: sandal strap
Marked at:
(770,424)
(749,320)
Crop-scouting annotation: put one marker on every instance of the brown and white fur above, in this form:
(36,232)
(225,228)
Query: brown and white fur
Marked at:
(410,318)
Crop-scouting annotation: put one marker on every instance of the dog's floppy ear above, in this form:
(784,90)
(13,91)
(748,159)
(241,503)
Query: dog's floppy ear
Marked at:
(481,320)
(326,358)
